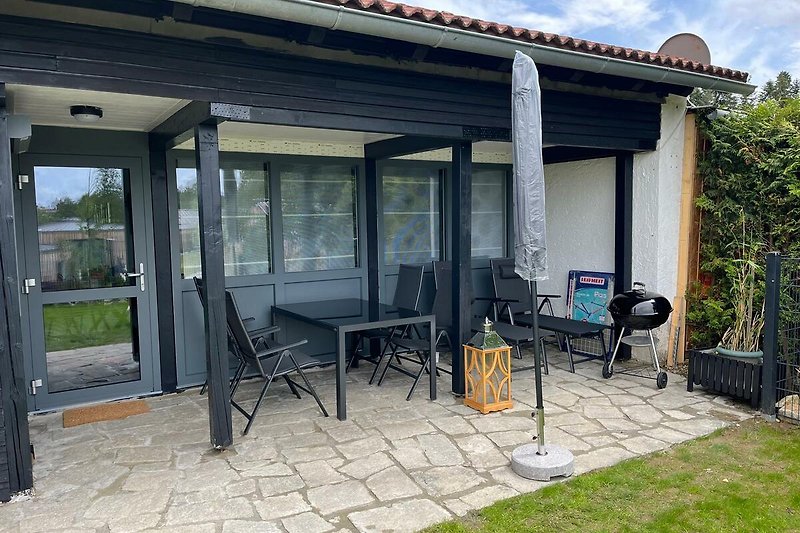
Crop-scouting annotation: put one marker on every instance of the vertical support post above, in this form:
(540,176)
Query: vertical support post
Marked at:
(623,232)
(771,327)
(373,252)
(163,265)
(13,394)
(461,200)
(206,140)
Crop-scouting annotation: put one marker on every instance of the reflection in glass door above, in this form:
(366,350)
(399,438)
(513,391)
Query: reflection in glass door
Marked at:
(87,290)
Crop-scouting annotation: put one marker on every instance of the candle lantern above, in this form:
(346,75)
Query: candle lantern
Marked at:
(487,371)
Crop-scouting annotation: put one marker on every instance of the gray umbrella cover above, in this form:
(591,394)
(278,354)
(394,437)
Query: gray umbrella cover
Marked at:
(530,246)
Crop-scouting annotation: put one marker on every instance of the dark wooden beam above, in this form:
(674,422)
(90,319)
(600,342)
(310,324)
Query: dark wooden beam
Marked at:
(404,145)
(461,200)
(163,266)
(13,391)
(566,154)
(179,128)
(331,120)
(373,243)
(623,231)
(213,264)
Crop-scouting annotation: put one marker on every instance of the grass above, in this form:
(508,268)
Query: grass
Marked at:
(745,478)
(94,323)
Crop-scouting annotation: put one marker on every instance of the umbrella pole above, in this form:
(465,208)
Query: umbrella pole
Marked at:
(537,365)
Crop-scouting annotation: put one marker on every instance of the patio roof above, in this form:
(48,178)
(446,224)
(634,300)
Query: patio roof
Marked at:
(565,42)
(433,29)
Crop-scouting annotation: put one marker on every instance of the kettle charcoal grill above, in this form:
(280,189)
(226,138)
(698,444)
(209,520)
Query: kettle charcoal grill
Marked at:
(638,310)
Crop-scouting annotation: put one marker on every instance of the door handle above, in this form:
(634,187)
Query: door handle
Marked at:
(139,275)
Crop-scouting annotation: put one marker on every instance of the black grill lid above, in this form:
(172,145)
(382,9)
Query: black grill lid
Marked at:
(639,308)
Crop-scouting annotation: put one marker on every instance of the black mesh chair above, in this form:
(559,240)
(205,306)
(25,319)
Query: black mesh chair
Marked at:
(512,294)
(403,346)
(254,333)
(406,295)
(270,358)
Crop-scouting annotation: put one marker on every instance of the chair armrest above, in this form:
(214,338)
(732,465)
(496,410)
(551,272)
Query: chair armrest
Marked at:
(280,347)
(260,332)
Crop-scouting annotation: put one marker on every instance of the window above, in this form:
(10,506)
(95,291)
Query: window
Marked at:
(245,220)
(412,219)
(488,213)
(319,214)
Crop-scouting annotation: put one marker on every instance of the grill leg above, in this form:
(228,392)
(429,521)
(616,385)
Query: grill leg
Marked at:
(655,354)
(616,348)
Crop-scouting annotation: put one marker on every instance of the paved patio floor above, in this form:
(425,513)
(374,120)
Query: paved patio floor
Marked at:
(393,466)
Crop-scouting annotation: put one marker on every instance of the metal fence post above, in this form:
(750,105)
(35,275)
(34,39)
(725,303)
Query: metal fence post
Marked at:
(771,319)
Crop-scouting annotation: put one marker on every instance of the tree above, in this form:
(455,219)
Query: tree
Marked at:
(781,89)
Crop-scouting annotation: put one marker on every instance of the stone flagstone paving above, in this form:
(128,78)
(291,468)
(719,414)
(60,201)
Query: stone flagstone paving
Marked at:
(392,466)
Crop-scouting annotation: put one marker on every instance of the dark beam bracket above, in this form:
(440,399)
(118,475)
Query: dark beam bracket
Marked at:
(179,128)
(13,391)
(405,145)
(213,265)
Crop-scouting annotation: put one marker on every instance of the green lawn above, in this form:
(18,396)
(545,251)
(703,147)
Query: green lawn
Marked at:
(94,323)
(745,478)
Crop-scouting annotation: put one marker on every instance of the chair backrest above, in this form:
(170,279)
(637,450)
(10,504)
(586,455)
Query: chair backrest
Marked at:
(200,288)
(508,285)
(409,286)
(443,300)
(237,332)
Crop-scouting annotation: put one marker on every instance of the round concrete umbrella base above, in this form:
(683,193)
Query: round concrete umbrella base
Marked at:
(557,462)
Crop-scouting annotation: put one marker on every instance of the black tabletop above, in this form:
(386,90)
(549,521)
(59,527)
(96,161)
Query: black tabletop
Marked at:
(345,312)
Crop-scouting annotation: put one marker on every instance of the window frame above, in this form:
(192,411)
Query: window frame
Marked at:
(443,170)
(178,159)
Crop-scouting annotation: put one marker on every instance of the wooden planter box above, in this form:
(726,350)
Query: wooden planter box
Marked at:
(739,378)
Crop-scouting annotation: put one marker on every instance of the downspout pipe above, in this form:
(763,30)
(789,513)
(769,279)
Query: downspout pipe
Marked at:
(368,23)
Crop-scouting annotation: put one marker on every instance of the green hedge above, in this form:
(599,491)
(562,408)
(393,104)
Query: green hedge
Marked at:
(751,167)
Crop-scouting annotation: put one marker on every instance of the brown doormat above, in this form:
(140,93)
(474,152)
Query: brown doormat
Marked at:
(105,411)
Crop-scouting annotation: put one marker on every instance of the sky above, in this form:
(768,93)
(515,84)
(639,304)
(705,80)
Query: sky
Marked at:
(761,37)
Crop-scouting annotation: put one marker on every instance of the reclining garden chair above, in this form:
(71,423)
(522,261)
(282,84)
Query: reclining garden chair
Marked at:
(270,358)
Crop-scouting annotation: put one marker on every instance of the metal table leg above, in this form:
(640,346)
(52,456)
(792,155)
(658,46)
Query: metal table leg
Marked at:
(432,358)
(341,377)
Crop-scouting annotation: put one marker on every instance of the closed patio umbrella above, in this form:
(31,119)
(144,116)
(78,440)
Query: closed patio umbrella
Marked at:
(530,248)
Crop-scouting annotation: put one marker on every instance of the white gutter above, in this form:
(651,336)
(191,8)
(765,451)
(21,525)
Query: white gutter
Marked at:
(368,23)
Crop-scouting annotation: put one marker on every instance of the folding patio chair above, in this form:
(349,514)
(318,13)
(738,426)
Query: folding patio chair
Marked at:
(254,333)
(443,310)
(406,295)
(270,358)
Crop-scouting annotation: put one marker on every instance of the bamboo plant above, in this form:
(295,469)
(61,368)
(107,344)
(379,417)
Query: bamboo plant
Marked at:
(744,335)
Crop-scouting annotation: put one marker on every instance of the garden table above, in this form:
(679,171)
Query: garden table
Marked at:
(349,315)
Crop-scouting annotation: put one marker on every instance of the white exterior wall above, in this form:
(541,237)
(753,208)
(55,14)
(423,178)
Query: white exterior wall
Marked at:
(656,214)
(579,199)
(580,215)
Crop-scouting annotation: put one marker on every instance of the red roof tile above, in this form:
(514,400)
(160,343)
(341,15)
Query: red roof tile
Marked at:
(443,18)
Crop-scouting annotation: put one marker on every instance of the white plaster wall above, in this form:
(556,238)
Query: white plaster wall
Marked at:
(656,199)
(580,222)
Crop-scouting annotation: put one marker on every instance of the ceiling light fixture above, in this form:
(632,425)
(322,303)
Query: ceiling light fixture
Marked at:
(86,113)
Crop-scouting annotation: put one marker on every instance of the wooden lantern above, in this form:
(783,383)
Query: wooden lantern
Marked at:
(487,371)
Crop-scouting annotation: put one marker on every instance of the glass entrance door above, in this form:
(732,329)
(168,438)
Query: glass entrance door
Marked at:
(86,280)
